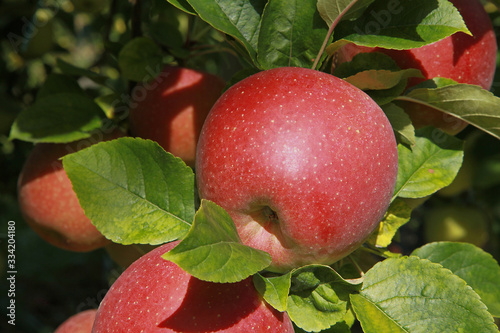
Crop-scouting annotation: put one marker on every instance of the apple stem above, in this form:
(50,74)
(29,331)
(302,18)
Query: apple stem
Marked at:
(360,271)
(329,34)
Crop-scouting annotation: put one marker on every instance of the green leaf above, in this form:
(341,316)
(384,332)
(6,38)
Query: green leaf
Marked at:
(212,249)
(58,118)
(274,290)
(409,294)
(284,25)
(401,124)
(71,70)
(168,35)
(346,9)
(432,164)
(402,24)
(477,267)
(381,79)
(470,103)
(239,19)
(183,5)
(133,191)
(318,297)
(397,215)
(57,84)
(377,74)
(139,58)
(110,104)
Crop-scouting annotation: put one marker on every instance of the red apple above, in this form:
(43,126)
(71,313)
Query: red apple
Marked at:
(47,200)
(155,295)
(304,162)
(172,108)
(461,57)
(79,323)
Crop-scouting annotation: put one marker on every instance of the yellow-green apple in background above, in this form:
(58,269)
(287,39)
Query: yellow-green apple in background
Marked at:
(456,223)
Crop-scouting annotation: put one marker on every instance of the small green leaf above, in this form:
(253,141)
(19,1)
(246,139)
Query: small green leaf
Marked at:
(477,267)
(183,5)
(381,79)
(410,294)
(347,9)
(401,124)
(397,215)
(402,24)
(168,35)
(377,74)
(432,164)
(58,118)
(57,84)
(274,289)
(470,103)
(133,191)
(239,19)
(318,297)
(284,23)
(71,70)
(110,104)
(212,249)
(140,59)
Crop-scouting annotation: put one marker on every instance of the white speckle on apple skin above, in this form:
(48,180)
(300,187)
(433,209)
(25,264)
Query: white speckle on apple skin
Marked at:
(323,157)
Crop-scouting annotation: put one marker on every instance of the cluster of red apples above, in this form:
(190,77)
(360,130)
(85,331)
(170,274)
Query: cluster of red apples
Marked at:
(304,163)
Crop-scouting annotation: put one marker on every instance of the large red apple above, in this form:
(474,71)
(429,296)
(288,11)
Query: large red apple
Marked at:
(79,323)
(172,108)
(461,57)
(155,295)
(304,162)
(47,200)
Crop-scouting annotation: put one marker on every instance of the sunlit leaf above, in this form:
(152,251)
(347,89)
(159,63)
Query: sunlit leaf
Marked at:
(212,250)
(431,164)
(410,294)
(133,191)
(477,267)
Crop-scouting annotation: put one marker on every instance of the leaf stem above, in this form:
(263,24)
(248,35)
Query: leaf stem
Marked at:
(360,271)
(330,32)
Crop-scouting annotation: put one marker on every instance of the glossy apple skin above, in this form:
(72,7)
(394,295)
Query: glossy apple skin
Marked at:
(461,57)
(174,108)
(304,163)
(47,200)
(79,323)
(155,295)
